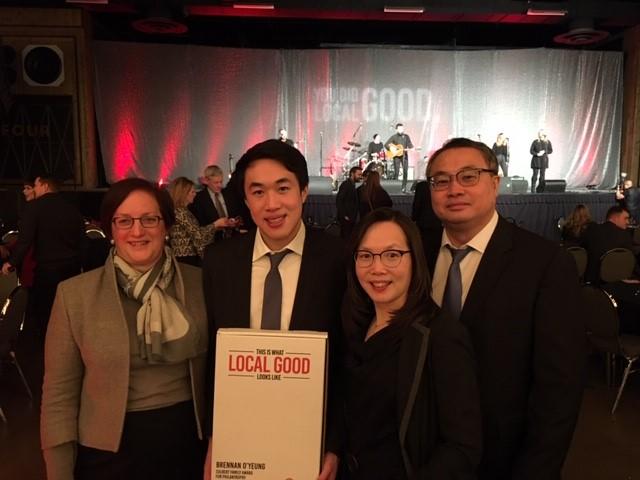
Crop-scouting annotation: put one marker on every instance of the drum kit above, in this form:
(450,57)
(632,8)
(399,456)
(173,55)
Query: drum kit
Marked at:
(356,156)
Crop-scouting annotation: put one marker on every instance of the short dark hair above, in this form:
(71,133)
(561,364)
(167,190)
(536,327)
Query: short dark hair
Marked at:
(375,135)
(354,169)
(119,192)
(419,301)
(289,157)
(399,125)
(615,210)
(461,142)
(51,182)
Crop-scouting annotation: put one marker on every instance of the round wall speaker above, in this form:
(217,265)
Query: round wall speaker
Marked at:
(43,65)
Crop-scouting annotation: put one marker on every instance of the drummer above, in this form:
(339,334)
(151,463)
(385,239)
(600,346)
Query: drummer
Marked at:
(375,151)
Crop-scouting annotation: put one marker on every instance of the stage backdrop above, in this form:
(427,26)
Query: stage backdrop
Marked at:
(170,110)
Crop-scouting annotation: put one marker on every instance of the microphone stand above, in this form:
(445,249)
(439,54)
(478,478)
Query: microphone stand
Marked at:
(321,156)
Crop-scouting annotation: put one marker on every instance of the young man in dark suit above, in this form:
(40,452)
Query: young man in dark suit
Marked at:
(274,184)
(518,295)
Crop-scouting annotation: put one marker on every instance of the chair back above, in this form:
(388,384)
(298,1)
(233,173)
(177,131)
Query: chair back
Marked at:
(616,265)
(579,254)
(11,317)
(7,285)
(95,232)
(601,318)
(10,236)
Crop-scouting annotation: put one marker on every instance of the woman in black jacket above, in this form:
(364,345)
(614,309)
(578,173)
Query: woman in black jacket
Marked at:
(411,402)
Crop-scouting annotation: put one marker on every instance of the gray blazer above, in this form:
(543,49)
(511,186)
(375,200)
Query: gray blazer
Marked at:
(84,397)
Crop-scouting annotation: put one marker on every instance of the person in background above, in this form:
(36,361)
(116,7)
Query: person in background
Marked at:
(540,150)
(412,406)
(400,141)
(501,149)
(125,354)
(576,225)
(283,136)
(215,204)
(347,202)
(372,195)
(187,237)
(54,229)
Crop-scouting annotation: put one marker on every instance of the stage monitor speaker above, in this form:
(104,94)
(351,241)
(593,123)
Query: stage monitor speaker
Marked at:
(554,186)
(513,185)
(393,187)
(320,185)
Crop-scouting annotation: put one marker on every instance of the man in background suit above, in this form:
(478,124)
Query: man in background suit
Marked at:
(540,150)
(213,204)
(347,202)
(55,229)
(519,298)
(274,181)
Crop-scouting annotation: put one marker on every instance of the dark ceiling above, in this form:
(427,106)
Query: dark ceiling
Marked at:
(592,24)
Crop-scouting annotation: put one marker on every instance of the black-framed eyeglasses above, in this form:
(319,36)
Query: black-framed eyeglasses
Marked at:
(389,258)
(147,221)
(467,177)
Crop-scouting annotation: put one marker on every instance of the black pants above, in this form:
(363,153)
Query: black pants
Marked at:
(45,282)
(159,444)
(534,179)
(504,165)
(404,161)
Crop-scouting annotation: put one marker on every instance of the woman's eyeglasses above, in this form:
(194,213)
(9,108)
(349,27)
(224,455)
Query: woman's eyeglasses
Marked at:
(126,223)
(389,258)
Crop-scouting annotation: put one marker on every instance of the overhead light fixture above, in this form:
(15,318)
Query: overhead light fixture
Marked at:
(546,13)
(89,2)
(403,9)
(254,6)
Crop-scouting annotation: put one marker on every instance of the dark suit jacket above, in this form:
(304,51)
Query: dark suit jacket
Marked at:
(599,239)
(523,314)
(55,228)
(429,224)
(321,284)
(204,209)
(347,201)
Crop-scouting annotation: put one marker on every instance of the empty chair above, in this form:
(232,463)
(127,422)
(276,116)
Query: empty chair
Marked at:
(603,332)
(10,236)
(579,254)
(94,232)
(616,265)
(11,317)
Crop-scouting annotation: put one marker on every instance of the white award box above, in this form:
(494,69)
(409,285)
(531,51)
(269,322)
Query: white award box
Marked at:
(269,404)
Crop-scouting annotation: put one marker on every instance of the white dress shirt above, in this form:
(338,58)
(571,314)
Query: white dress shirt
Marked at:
(289,269)
(468,265)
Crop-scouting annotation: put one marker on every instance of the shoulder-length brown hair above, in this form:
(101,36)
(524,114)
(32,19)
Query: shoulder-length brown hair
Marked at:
(360,309)
(179,190)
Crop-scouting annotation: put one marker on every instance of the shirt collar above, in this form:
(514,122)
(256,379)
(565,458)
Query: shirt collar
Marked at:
(480,241)
(260,249)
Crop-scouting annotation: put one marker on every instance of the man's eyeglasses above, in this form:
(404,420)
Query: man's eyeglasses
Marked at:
(147,221)
(467,177)
(389,258)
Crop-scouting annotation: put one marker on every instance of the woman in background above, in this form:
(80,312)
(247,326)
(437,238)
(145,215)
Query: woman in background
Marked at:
(187,237)
(412,407)
(371,195)
(501,149)
(576,225)
(125,354)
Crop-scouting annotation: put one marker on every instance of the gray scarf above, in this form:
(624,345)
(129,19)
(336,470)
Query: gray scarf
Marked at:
(166,333)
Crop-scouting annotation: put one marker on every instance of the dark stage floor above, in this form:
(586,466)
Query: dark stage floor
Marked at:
(604,447)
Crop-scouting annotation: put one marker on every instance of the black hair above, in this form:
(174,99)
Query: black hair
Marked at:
(289,157)
(354,169)
(119,192)
(461,142)
(358,317)
(615,210)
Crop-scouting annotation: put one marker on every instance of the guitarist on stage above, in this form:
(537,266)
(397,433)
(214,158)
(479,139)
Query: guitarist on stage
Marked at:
(397,147)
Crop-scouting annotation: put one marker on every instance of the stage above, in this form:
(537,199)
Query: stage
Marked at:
(537,212)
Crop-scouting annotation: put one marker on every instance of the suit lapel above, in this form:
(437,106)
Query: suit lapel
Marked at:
(494,261)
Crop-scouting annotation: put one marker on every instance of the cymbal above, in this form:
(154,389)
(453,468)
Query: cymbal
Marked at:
(354,144)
